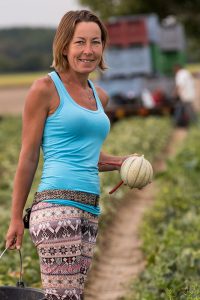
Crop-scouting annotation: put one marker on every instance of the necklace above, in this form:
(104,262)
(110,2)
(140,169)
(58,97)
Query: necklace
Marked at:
(90,94)
(88,91)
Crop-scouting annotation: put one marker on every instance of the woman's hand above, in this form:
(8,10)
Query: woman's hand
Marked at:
(15,234)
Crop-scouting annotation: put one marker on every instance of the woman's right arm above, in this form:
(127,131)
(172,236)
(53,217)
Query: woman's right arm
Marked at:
(35,112)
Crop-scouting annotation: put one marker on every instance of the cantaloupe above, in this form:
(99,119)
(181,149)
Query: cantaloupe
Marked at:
(136,172)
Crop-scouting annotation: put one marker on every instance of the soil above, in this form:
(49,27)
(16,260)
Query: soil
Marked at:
(122,259)
(12,100)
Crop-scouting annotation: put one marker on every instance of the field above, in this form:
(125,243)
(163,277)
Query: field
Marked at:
(10,128)
(19,80)
(12,100)
(24,79)
(13,91)
(14,88)
(172,271)
(170,231)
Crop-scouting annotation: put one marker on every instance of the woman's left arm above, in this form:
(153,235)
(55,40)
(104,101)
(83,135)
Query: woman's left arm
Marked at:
(110,162)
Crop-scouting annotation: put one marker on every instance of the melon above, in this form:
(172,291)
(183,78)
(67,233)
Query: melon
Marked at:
(136,172)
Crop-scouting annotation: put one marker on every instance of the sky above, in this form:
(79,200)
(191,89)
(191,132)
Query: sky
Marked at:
(34,13)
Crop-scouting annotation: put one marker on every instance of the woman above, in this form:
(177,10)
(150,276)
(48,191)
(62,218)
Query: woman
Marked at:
(64,114)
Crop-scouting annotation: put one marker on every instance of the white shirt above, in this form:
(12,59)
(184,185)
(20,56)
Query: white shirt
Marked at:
(185,85)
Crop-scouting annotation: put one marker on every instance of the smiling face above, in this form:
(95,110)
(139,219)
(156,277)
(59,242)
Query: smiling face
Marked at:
(85,49)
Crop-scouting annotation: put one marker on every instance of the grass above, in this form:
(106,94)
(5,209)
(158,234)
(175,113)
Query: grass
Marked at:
(25,79)
(193,68)
(19,79)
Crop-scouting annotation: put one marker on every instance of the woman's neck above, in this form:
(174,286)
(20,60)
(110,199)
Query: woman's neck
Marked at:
(72,78)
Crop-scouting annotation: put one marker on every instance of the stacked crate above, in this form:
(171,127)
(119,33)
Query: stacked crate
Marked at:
(127,31)
(141,55)
(131,41)
(139,45)
(172,45)
(153,26)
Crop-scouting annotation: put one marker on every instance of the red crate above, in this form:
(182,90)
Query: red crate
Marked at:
(127,32)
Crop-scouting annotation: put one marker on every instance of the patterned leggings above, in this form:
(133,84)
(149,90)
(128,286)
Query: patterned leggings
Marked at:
(65,237)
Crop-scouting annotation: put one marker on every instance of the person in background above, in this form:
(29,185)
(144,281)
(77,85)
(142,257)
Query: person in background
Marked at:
(185,94)
(64,115)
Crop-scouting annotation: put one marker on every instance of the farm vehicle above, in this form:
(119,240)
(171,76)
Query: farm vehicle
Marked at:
(141,56)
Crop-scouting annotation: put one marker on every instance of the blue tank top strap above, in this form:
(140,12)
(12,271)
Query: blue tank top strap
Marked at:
(96,95)
(58,84)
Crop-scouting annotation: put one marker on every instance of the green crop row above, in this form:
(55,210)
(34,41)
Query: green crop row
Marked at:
(135,135)
(171,231)
(148,136)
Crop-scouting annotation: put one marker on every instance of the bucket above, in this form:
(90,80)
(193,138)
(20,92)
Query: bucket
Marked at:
(20,292)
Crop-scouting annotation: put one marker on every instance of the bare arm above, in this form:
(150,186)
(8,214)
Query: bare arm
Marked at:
(108,162)
(34,116)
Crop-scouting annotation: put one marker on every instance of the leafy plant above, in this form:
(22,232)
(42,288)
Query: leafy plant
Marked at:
(171,231)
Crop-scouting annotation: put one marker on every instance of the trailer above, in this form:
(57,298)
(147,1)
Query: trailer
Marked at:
(141,55)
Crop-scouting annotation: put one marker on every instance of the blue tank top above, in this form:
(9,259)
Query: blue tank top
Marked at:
(71,144)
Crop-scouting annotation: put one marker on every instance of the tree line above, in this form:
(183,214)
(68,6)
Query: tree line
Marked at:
(30,49)
(25,49)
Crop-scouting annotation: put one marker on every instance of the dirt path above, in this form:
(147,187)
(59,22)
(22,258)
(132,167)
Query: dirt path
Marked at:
(122,259)
(12,100)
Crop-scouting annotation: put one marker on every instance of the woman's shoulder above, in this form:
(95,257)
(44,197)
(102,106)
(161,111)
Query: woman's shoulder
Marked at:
(103,96)
(43,85)
(41,92)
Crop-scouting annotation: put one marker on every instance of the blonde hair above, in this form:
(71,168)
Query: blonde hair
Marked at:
(65,32)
